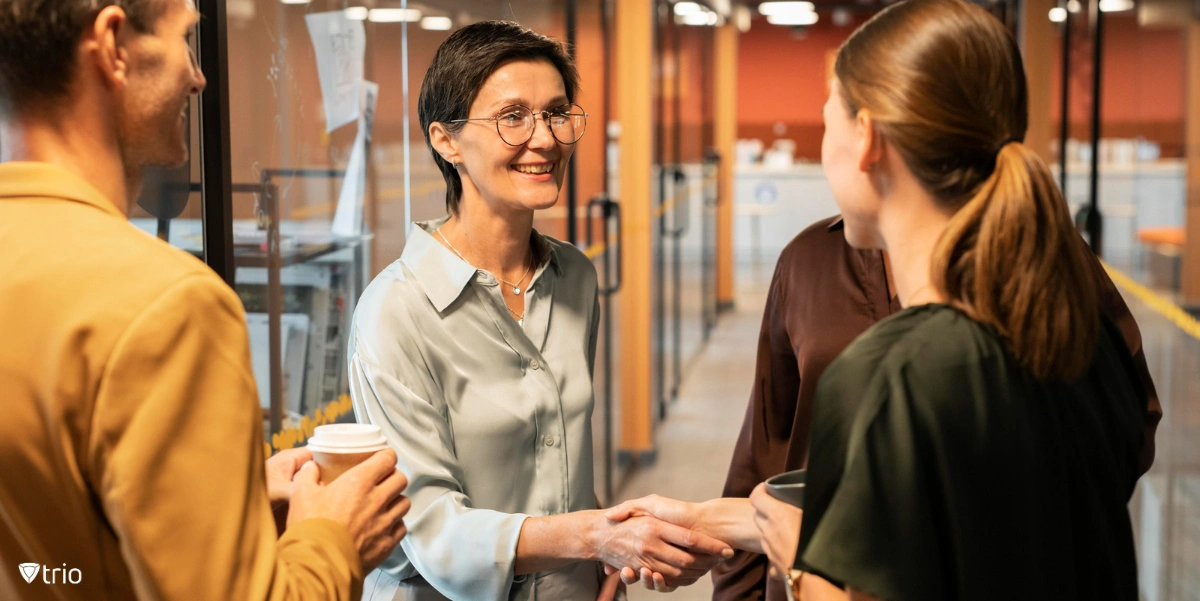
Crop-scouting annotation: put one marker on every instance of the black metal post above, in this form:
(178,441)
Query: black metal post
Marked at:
(1064,129)
(607,315)
(215,172)
(680,204)
(605,33)
(572,188)
(608,371)
(660,261)
(1095,227)
(274,301)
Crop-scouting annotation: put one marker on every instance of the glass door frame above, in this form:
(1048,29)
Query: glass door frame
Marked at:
(216,180)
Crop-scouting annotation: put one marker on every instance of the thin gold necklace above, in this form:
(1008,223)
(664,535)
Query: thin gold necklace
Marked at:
(516,287)
(520,316)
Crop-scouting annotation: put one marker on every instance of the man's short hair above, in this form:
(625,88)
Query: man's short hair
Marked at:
(39,38)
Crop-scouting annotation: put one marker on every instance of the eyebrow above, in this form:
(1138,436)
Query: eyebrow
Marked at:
(557,102)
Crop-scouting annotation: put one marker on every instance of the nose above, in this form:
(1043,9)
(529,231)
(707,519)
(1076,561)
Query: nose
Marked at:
(199,82)
(541,138)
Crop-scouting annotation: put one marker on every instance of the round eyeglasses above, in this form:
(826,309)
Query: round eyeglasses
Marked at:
(516,123)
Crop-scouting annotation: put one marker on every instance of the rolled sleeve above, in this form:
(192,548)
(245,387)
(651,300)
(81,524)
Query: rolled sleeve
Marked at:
(461,551)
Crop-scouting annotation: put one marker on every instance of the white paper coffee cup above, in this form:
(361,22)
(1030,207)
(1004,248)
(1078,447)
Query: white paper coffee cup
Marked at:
(338,447)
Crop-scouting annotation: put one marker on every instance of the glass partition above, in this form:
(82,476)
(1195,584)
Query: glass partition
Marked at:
(683,132)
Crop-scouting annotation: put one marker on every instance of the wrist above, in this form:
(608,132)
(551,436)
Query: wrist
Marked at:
(706,513)
(594,525)
(793,578)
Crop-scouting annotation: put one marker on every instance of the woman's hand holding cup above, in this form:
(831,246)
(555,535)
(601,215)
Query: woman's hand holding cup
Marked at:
(779,523)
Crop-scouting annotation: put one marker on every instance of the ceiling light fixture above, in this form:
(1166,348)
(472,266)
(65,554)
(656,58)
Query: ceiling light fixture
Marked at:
(437,23)
(785,8)
(806,18)
(394,15)
(1115,6)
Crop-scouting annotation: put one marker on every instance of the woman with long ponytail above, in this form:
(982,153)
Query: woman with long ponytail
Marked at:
(982,443)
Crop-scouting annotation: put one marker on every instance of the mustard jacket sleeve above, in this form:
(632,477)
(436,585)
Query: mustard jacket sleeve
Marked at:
(176,462)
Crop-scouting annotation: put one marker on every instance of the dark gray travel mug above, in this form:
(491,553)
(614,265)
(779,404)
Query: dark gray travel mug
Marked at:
(788,487)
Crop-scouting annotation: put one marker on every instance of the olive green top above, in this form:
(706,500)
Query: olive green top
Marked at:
(941,469)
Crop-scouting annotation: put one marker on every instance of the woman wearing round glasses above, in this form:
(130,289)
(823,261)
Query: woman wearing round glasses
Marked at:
(474,352)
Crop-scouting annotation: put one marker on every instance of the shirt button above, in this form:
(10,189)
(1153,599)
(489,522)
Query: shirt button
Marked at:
(533,363)
(549,441)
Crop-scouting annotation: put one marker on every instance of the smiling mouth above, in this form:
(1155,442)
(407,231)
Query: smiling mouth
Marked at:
(535,169)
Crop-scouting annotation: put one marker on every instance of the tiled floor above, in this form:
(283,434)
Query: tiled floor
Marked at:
(696,441)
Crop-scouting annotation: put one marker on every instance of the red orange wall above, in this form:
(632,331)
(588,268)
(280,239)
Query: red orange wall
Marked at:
(1143,83)
(781,79)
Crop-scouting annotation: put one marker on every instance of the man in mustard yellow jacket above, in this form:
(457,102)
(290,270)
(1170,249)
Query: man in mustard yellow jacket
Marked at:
(131,445)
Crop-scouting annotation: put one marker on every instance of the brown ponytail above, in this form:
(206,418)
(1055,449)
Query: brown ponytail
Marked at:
(1009,258)
(945,84)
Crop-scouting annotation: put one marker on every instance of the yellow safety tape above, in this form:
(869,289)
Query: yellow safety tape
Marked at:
(670,204)
(597,249)
(1174,313)
(288,438)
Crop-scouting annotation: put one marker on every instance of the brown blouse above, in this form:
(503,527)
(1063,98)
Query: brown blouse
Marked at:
(823,295)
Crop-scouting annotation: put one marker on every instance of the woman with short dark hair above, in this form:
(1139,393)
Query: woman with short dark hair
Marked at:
(474,351)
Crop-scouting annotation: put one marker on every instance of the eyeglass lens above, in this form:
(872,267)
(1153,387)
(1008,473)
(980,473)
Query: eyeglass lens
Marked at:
(516,124)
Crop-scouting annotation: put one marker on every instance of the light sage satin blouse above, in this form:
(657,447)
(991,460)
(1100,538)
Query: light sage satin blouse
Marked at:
(491,421)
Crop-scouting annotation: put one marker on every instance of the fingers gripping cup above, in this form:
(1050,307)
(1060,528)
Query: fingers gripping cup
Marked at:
(338,447)
(788,487)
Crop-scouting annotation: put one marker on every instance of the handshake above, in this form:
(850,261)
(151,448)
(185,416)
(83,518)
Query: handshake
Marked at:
(680,542)
(660,542)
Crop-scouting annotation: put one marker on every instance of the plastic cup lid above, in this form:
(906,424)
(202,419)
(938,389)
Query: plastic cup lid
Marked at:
(347,438)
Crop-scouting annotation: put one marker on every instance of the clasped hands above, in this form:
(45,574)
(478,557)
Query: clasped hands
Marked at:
(667,555)
(760,524)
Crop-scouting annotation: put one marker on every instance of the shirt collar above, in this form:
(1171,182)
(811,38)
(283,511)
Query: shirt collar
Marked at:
(441,273)
(836,224)
(47,180)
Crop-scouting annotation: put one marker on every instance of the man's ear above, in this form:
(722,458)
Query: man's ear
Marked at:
(104,46)
(443,142)
(870,142)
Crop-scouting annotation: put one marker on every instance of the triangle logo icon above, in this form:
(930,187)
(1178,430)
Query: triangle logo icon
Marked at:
(30,571)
